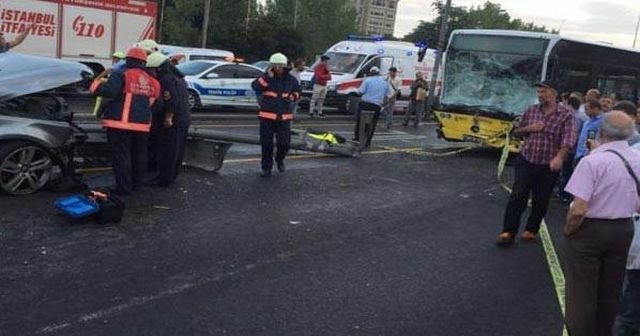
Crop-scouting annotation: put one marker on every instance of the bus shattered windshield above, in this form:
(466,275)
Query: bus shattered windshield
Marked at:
(492,74)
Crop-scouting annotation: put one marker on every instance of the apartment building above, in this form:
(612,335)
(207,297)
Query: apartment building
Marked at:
(376,16)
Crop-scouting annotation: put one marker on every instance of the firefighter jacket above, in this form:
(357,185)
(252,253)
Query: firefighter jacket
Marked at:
(133,92)
(277,96)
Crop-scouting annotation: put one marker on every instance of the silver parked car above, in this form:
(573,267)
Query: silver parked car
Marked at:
(37,135)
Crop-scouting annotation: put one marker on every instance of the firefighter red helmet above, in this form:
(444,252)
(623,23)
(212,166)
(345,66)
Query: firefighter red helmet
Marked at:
(137,53)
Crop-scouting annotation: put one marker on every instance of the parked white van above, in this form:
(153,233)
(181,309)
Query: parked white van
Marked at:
(196,54)
(351,60)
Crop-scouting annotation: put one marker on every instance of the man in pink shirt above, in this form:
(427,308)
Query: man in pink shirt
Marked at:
(599,228)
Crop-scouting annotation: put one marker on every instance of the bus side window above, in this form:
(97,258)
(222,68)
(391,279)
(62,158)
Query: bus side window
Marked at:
(619,81)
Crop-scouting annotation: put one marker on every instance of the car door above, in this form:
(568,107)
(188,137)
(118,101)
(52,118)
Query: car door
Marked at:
(215,83)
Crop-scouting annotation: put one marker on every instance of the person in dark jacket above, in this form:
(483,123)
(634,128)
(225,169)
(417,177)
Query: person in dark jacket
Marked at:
(419,90)
(127,118)
(277,90)
(170,122)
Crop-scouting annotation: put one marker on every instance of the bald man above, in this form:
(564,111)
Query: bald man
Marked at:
(599,227)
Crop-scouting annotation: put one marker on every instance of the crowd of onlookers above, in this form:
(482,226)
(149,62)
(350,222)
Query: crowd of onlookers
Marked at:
(588,149)
(589,109)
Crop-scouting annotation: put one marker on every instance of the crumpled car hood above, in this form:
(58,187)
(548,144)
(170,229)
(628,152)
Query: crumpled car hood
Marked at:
(24,74)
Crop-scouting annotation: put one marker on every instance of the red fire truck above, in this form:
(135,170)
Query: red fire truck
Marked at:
(86,31)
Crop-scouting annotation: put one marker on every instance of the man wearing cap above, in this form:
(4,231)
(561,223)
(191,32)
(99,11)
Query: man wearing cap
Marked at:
(321,75)
(127,118)
(375,90)
(599,228)
(277,90)
(549,133)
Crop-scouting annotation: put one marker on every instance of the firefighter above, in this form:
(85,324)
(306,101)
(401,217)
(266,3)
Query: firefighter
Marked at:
(150,46)
(127,118)
(117,57)
(171,120)
(277,90)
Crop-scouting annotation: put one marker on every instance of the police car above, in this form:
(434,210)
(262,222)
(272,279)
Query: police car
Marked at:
(220,83)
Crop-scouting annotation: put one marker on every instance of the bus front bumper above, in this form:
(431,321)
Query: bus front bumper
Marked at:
(458,126)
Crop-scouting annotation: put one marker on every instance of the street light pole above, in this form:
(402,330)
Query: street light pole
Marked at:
(436,66)
(246,28)
(161,24)
(635,38)
(295,14)
(205,22)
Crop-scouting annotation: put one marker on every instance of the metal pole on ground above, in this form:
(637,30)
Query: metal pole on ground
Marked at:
(205,22)
(436,66)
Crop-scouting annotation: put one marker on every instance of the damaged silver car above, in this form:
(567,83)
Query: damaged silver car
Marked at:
(37,135)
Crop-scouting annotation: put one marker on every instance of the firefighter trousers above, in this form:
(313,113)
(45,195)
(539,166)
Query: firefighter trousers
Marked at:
(129,158)
(282,132)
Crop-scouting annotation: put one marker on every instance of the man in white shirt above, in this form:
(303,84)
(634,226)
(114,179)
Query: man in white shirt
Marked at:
(395,82)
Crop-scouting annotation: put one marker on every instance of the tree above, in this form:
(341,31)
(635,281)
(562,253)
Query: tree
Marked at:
(297,28)
(487,16)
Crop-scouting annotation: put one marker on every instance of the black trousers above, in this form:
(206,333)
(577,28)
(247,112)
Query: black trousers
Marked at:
(365,106)
(530,179)
(282,132)
(169,151)
(596,257)
(129,158)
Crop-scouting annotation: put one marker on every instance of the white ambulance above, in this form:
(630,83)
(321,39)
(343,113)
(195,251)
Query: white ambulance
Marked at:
(351,60)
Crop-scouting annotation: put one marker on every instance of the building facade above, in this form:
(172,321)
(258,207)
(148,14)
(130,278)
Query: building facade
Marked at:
(376,16)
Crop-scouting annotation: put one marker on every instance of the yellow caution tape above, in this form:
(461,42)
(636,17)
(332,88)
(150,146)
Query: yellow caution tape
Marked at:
(547,244)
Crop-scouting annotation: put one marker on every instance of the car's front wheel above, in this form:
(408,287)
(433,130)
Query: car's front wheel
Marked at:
(24,167)
(194,100)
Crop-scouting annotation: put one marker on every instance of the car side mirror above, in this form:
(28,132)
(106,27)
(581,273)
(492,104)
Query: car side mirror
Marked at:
(211,75)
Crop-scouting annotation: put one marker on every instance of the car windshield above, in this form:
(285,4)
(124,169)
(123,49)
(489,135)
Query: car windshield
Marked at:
(194,68)
(344,62)
(492,74)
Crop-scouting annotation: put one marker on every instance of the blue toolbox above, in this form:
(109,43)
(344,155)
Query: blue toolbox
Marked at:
(77,206)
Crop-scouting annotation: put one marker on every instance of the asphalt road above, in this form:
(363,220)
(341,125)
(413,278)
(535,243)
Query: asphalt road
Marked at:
(390,243)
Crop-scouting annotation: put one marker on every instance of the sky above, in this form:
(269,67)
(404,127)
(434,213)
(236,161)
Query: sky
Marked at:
(612,21)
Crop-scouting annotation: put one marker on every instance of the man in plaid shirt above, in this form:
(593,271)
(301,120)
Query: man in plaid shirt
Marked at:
(549,132)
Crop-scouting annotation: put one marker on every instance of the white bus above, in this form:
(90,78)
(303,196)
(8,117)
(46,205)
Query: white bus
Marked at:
(488,77)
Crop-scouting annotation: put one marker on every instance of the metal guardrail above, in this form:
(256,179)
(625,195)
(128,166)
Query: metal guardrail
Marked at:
(207,148)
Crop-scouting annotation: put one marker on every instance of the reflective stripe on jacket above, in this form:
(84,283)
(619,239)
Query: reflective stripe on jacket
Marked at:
(134,91)
(277,96)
